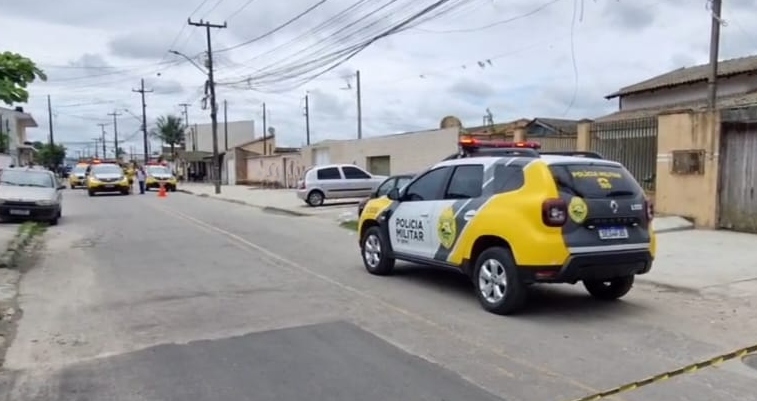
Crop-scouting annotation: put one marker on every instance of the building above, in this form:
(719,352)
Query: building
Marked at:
(686,88)
(13,139)
(233,134)
(261,162)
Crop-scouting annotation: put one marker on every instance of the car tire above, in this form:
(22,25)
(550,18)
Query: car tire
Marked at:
(126,192)
(315,198)
(90,193)
(497,282)
(609,290)
(373,249)
(54,221)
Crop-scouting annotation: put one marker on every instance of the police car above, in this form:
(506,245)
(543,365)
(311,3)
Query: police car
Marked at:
(515,219)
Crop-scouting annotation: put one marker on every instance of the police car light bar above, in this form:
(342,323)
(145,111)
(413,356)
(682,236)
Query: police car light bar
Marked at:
(468,142)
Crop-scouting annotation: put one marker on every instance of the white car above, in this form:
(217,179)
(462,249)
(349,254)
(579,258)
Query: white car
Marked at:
(336,181)
(28,193)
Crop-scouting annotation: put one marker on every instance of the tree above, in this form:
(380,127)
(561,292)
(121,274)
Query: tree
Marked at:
(170,130)
(16,73)
(50,155)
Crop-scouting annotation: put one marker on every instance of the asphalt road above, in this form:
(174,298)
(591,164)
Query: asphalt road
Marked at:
(189,298)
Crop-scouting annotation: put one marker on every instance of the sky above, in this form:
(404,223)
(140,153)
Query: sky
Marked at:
(516,58)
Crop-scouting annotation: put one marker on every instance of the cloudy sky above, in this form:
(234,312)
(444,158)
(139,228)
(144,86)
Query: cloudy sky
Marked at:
(511,56)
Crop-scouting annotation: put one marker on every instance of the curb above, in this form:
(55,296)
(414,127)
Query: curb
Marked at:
(272,209)
(26,233)
(673,230)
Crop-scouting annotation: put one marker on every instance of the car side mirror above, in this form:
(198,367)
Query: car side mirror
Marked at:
(61,186)
(393,194)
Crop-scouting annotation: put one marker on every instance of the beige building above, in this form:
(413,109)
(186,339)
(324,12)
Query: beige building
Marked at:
(13,139)
(200,136)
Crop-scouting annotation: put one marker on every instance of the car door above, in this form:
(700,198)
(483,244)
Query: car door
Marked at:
(358,181)
(330,181)
(411,231)
(463,196)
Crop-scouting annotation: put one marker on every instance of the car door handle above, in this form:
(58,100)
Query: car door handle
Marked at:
(424,215)
(469,215)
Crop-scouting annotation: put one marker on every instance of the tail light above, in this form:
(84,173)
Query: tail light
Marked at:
(649,207)
(554,212)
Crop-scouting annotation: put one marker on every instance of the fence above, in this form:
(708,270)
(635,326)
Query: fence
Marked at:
(556,143)
(631,142)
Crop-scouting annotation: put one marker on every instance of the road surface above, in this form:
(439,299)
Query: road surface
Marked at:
(189,298)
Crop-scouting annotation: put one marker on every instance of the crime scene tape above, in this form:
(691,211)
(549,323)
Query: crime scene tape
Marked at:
(694,367)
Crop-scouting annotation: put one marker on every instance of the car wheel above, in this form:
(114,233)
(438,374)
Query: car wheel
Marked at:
(498,286)
(609,290)
(315,198)
(125,192)
(91,193)
(373,248)
(53,222)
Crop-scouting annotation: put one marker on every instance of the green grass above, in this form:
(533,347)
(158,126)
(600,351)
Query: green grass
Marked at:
(350,225)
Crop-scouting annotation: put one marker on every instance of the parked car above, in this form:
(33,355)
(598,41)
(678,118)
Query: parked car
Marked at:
(395,181)
(336,181)
(30,194)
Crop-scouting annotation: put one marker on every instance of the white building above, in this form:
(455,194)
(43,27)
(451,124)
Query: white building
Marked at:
(13,141)
(233,134)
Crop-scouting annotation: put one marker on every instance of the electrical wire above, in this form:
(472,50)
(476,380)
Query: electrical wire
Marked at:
(573,54)
(497,23)
(239,10)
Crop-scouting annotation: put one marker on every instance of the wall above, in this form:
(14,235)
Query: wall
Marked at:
(693,196)
(239,133)
(257,146)
(688,93)
(281,171)
(409,152)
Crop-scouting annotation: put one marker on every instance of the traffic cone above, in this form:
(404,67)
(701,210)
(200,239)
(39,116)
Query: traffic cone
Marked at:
(162,191)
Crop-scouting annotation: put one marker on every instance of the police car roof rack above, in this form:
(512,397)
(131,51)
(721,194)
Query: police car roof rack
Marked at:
(575,153)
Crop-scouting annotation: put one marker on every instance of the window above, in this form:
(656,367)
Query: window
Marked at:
(384,188)
(466,182)
(402,181)
(21,178)
(329,173)
(429,186)
(507,178)
(595,181)
(354,173)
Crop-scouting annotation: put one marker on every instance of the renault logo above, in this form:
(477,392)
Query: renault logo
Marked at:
(614,206)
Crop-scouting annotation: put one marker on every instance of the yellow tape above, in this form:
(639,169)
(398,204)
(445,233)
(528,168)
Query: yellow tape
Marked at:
(694,367)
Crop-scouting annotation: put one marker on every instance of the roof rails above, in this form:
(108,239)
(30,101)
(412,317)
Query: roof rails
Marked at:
(574,153)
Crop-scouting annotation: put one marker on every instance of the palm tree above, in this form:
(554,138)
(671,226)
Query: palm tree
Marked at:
(169,129)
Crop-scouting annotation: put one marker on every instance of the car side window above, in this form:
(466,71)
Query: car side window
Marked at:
(354,173)
(508,178)
(329,173)
(466,182)
(429,186)
(384,188)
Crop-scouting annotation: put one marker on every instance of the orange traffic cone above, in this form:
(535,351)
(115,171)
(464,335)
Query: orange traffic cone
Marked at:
(162,191)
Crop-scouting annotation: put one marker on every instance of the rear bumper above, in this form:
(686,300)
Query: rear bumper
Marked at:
(100,188)
(591,266)
(29,212)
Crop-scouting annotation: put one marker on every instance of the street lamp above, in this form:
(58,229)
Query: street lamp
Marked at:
(204,71)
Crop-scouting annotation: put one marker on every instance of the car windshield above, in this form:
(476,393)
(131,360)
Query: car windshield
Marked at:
(107,169)
(402,181)
(79,170)
(595,181)
(158,170)
(27,178)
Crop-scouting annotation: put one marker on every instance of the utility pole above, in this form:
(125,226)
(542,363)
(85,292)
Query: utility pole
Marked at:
(359,107)
(194,138)
(115,115)
(712,85)
(102,136)
(142,92)
(97,144)
(213,105)
(186,122)
(265,132)
(225,125)
(307,119)
(50,119)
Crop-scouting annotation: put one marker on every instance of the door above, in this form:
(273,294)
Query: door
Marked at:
(329,179)
(411,229)
(358,183)
(231,171)
(738,174)
(321,156)
(379,165)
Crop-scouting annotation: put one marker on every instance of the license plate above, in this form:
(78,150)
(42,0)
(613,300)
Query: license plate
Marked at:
(17,212)
(110,186)
(613,233)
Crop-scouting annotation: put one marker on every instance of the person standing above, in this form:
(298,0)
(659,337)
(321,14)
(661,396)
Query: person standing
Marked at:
(141,177)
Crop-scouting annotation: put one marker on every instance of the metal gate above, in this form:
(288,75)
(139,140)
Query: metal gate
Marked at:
(632,142)
(738,177)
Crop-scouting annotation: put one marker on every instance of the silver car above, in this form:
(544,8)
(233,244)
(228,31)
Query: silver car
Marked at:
(336,181)
(30,194)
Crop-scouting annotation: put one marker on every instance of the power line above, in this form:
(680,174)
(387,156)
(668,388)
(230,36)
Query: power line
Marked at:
(239,10)
(497,23)
(142,92)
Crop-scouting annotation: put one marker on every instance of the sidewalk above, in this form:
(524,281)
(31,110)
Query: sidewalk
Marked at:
(277,200)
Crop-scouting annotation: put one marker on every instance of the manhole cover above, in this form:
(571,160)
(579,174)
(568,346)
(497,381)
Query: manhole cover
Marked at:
(750,360)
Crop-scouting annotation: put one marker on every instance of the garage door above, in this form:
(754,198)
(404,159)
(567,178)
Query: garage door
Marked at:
(379,165)
(738,160)
(321,156)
